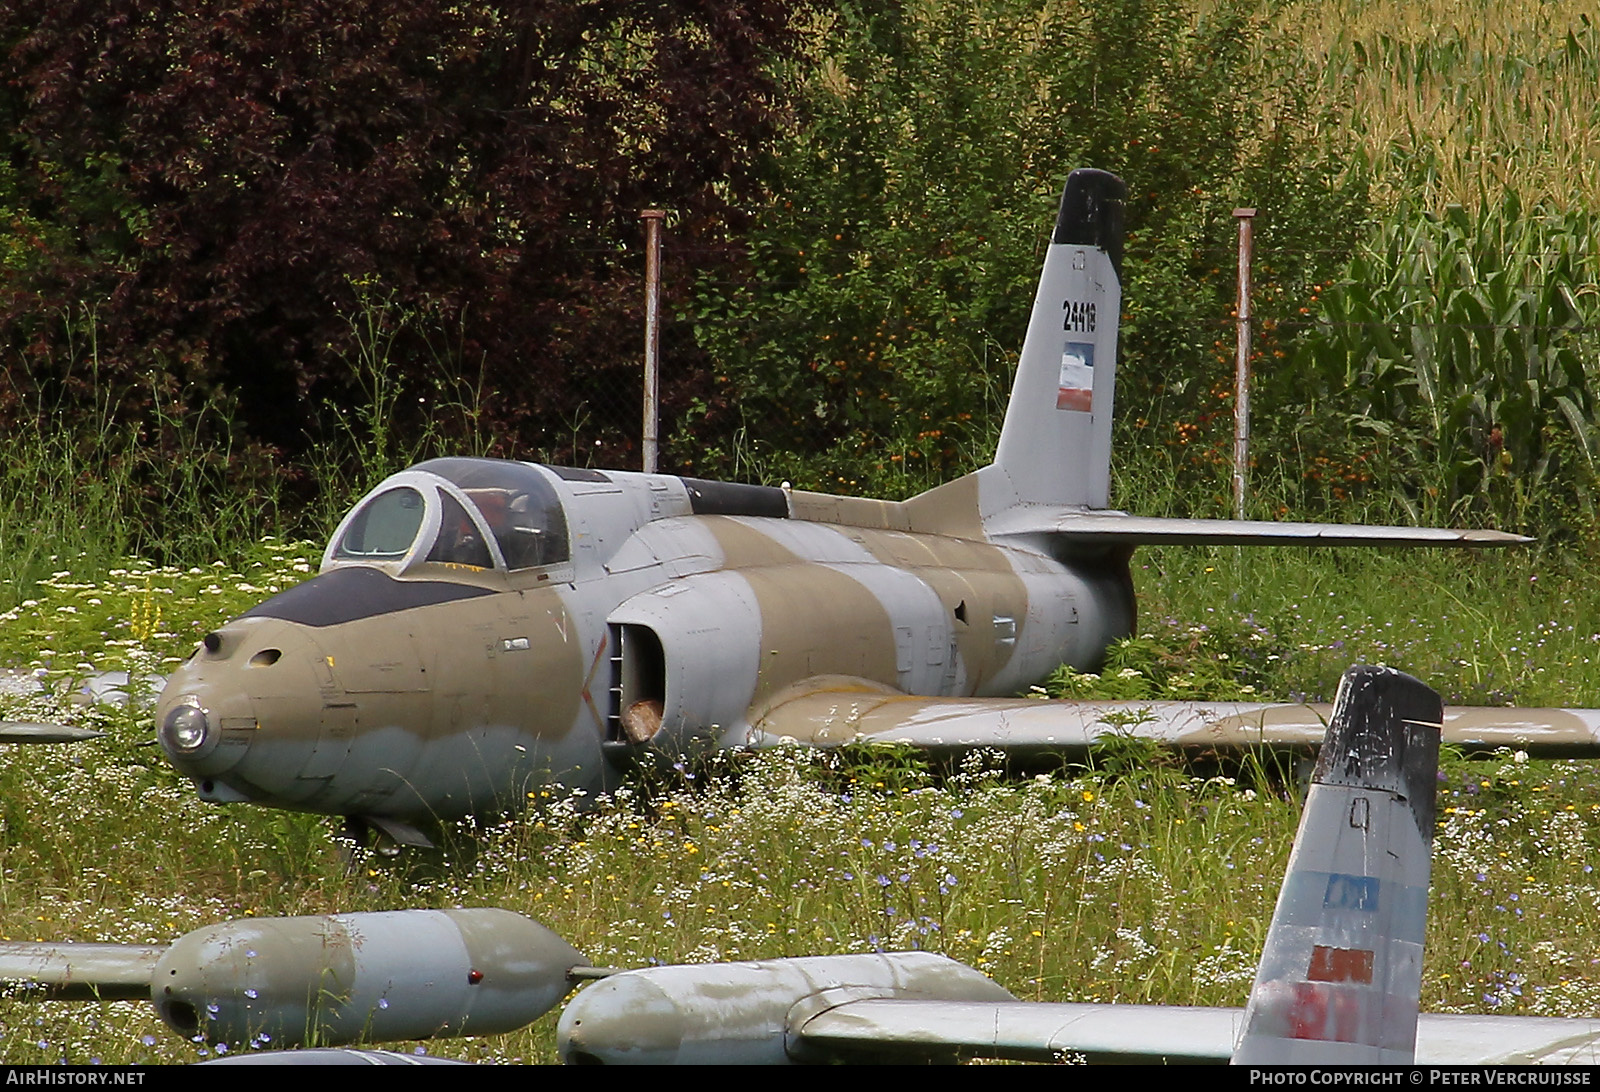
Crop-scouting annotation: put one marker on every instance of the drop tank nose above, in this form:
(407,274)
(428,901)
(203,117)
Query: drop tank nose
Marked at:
(398,974)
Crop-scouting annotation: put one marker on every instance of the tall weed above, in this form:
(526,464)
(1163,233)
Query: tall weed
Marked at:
(80,487)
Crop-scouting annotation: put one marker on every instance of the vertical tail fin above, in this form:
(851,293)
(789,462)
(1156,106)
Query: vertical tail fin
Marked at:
(1055,446)
(1342,967)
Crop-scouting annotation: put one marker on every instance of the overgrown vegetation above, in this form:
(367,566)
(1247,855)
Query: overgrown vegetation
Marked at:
(216,181)
(897,262)
(856,228)
(1452,366)
(1120,882)
(203,351)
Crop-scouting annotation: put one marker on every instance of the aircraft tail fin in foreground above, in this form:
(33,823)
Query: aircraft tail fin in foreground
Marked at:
(1341,970)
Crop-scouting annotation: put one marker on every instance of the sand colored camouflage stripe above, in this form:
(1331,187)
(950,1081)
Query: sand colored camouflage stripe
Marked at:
(1341,972)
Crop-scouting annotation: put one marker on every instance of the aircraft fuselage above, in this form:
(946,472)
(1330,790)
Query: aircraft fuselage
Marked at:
(406,683)
(480,626)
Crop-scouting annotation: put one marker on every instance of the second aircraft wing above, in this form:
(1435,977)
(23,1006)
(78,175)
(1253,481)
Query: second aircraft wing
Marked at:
(838,711)
(1157,1034)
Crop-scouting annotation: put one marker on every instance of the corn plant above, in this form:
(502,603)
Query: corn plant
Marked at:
(1460,348)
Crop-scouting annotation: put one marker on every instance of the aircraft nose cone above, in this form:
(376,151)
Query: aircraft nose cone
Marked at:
(251,686)
(203,727)
(622,1020)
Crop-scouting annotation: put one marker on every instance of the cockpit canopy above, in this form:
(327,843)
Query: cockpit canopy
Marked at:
(477,513)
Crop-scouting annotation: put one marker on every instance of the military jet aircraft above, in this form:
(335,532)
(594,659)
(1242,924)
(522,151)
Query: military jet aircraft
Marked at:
(1338,980)
(480,626)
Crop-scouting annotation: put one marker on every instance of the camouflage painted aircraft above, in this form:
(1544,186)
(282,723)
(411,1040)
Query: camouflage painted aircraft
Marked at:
(1337,984)
(480,626)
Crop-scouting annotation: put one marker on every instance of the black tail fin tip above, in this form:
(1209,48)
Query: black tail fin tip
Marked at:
(1384,733)
(1091,213)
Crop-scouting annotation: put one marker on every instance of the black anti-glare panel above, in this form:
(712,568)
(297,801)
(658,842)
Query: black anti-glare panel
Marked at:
(345,595)
(732,499)
(578,474)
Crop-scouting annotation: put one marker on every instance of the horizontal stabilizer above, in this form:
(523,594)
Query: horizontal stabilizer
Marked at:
(1091,528)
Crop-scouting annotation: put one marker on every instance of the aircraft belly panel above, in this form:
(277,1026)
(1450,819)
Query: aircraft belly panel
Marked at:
(339,727)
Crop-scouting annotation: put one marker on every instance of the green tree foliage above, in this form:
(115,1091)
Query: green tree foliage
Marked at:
(897,258)
(217,179)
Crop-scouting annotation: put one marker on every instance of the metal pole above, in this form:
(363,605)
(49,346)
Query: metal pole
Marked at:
(652,333)
(1241,388)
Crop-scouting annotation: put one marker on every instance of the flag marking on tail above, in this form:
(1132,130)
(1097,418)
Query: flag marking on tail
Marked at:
(1340,964)
(1351,893)
(1077,377)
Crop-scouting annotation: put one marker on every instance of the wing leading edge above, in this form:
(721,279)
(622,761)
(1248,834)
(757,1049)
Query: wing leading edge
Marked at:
(835,711)
(1104,528)
(1044,1031)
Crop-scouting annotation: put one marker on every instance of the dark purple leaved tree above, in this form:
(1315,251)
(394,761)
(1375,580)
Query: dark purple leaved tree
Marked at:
(213,190)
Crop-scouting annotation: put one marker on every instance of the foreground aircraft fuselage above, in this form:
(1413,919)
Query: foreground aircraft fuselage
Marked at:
(480,626)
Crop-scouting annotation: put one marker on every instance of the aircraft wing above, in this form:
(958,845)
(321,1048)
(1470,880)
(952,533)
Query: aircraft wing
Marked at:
(834,712)
(19,731)
(1039,1031)
(1338,981)
(1115,528)
(79,972)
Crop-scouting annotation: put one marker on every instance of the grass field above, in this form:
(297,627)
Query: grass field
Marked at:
(1151,885)
(1154,885)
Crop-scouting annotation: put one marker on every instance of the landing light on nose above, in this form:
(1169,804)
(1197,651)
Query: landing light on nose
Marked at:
(185,729)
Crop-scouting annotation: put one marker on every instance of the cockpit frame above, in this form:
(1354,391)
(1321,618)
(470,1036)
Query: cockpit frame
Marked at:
(479,516)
